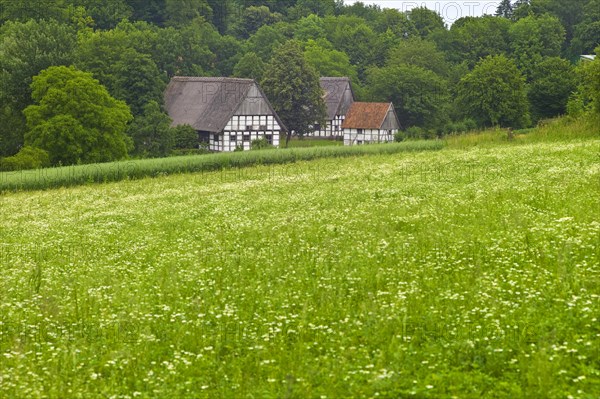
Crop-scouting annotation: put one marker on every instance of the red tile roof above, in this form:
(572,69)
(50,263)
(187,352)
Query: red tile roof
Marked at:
(366,115)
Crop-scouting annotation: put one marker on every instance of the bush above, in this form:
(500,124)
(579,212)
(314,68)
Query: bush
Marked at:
(261,144)
(413,133)
(466,125)
(26,158)
(185,137)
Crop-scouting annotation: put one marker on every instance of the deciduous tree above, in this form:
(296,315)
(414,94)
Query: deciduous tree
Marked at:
(329,62)
(75,119)
(426,21)
(533,38)
(552,82)
(292,85)
(419,95)
(494,93)
(151,132)
(250,66)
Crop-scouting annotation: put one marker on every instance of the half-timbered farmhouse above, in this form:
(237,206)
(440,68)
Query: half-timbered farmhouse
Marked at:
(227,113)
(370,123)
(338,97)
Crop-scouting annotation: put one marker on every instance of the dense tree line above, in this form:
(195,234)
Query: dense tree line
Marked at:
(77,74)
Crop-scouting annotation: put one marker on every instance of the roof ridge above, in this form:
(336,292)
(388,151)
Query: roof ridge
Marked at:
(210,79)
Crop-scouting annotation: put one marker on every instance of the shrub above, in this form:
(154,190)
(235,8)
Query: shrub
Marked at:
(26,158)
(185,137)
(260,144)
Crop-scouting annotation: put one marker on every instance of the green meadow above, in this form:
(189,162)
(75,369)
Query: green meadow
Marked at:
(467,272)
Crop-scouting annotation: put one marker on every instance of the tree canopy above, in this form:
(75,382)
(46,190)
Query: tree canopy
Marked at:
(292,85)
(494,93)
(75,119)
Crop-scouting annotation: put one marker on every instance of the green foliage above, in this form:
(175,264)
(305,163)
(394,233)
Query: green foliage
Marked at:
(354,37)
(396,22)
(185,137)
(122,65)
(250,66)
(419,95)
(151,132)
(552,82)
(306,8)
(23,11)
(293,88)
(329,62)
(419,52)
(26,158)
(471,39)
(75,119)
(179,13)
(252,19)
(591,77)
(265,41)
(106,14)
(505,9)
(494,94)
(12,129)
(133,47)
(413,133)
(26,49)
(261,144)
(426,21)
(310,28)
(587,32)
(533,38)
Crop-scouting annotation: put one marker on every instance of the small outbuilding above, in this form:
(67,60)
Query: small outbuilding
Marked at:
(587,57)
(367,123)
(338,96)
(227,113)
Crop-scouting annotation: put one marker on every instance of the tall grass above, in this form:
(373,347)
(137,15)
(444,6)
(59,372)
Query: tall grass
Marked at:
(560,129)
(97,173)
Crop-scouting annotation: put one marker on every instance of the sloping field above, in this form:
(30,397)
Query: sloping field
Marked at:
(457,273)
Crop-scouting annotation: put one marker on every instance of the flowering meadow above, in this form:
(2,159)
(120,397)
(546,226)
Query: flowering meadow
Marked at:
(462,273)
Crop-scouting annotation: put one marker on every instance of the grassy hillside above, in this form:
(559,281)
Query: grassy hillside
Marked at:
(469,272)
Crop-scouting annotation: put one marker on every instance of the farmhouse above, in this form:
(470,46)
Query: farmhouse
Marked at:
(370,123)
(227,113)
(338,97)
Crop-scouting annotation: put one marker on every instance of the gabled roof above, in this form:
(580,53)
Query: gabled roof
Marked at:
(334,94)
(207,104)
(368,115)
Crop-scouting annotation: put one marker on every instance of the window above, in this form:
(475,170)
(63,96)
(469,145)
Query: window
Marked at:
(262,127)
(269,138)
(249,128)
(246,137)
(317,126)
(233,137)
(216,137)
(204,137)
(360,131)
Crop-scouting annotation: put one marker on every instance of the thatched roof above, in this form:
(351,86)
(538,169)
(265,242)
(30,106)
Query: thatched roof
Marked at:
(335,89)
(371,116)
(207,104)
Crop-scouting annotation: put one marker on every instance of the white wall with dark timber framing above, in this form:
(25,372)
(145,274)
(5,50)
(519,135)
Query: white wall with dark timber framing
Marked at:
(331,129)
(241,130)
(367,136)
